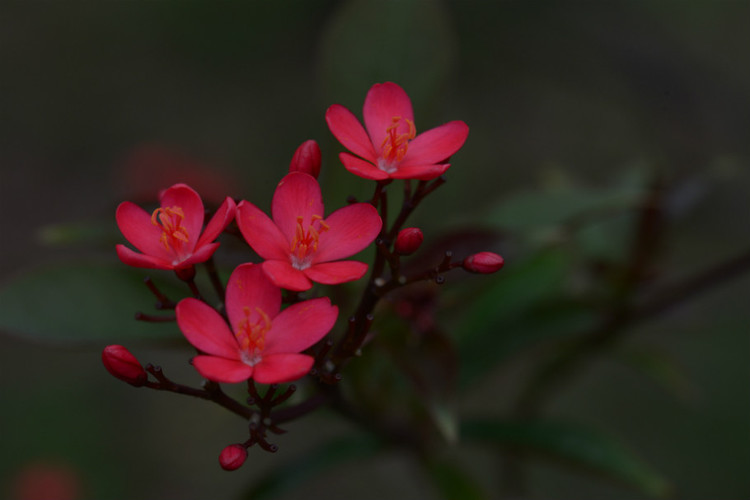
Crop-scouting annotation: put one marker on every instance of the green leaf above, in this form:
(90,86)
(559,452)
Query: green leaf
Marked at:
(85,302)
(327,456)
(574,444)
(453,482)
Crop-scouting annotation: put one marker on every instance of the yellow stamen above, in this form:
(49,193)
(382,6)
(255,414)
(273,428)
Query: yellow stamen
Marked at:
(395,145)
(173,234)
(305,242)
(251,337)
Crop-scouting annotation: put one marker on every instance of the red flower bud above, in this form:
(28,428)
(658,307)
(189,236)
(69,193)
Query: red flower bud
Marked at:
(232,457)
(408,241)
(121,364)
(307,159)
(483,263)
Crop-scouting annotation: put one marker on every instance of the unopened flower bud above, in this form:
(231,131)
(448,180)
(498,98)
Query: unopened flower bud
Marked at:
(408,241)
(307,159)
(232,457)
(120,363)
(483,263)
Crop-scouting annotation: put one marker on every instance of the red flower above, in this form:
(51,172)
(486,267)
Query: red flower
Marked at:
(299,245)
(262,343)
(170,238)
(390,147)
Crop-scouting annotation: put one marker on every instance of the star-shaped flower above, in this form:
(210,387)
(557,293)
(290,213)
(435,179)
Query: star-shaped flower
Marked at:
(261,342)
(299,244)
(388,146)
(172,236)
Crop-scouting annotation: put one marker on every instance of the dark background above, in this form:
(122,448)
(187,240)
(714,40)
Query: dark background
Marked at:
(104,101)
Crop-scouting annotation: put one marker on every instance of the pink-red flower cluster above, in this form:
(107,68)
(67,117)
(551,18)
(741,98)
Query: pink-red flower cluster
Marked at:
(298,243)
(248,336)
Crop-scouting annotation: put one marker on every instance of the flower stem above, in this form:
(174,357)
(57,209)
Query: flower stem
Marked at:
(211,392)
(162,301)
(377,286)
(215,280)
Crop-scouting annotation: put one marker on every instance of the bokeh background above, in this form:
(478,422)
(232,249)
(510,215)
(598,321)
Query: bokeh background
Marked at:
(107,101)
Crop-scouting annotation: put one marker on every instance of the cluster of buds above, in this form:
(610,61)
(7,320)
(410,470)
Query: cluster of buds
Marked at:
(264,330)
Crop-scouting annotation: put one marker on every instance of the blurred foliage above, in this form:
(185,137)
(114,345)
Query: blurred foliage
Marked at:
(574,444)
(292,475)
(83,303)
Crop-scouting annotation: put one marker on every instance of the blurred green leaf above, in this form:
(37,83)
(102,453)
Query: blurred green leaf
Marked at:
(445,420)
(453,482)
(575,444)
(327,456)
(76,234)
(523,284)
(659,367)
(530,210)
(528,305)
(409,42)
(86,302)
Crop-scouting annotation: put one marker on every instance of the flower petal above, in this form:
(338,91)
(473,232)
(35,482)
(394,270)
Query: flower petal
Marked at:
(333,273)
(385,101)
(135,259)
(420,172)
(351,229)
(218,222)
(280,368)
(297,195)
(183,196)
(300,325)
(283,275)
(350,132)
(135,224)
(436,145)
(362,168)
(261,233)
(206,329)
(249,287)
(201,254)
(228,371)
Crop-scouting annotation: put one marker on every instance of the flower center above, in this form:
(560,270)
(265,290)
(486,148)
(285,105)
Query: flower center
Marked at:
(305,242)
(251,336)
(396,144)
(173,234)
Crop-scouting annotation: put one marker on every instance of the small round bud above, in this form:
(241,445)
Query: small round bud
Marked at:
(483,263)
(121,364)
(307,159)
(408,241)
(185,273)
(232,457)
